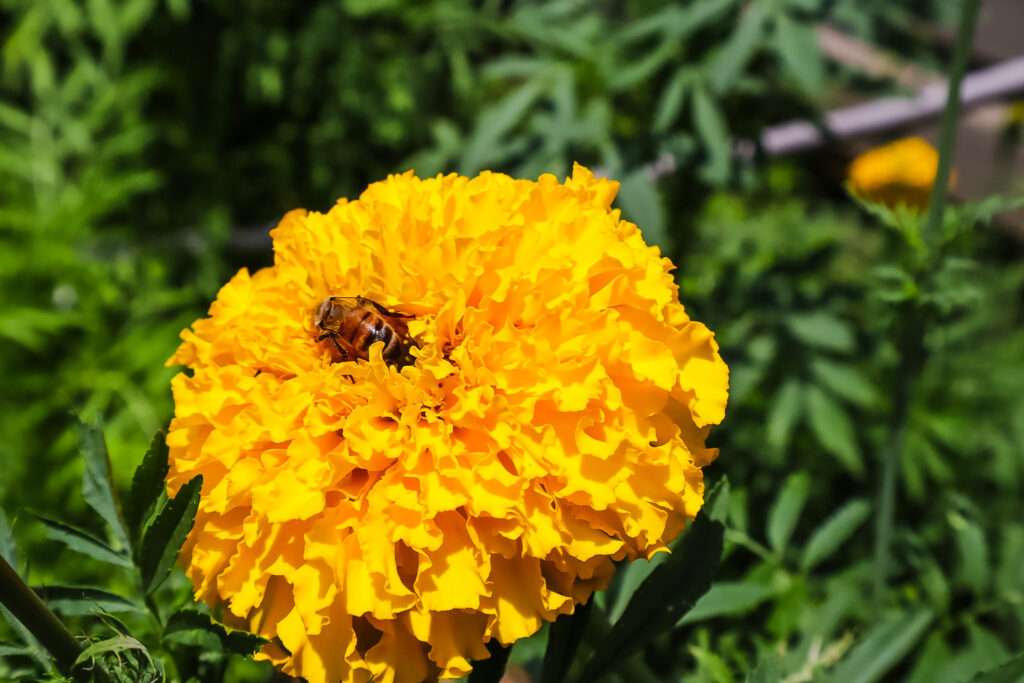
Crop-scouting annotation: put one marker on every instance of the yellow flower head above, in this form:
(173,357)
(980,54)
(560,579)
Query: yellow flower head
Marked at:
(901,172)
(383,522)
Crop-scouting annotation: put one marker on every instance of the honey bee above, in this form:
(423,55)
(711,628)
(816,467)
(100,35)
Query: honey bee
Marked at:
(351,324)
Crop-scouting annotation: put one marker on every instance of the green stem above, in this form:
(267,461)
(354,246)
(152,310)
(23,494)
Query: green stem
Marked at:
(947,137)
(910,340)
(910,351)
(30,610)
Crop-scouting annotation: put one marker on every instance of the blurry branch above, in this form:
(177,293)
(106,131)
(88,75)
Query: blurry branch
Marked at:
(983,85)
(864,57)
(979,86)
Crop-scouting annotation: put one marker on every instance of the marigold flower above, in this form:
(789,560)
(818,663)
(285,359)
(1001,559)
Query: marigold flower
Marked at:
(900,172)
(382,522)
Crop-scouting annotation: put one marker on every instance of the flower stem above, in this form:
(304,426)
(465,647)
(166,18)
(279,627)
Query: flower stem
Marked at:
(947,136)
(910,343)
(910,322)
(30,610)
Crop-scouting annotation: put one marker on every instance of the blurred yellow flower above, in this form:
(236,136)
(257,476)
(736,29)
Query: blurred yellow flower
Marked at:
(382,522)
(900,172)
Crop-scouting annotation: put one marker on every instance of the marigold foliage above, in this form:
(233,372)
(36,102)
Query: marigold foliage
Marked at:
(383,523)
(900,172)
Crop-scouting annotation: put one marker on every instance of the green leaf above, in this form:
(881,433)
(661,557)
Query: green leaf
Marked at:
(845,381)
(671,100)
(494,123)
(785,411)
(931,662)
(797,46)
(631,576)
(834,429)
(767,671)
(120,643)
(728,598)
(883,647)
(82,542)
(714,133)
(1010,672)
(668,593)
(147,484)
(97,483)
(83,600)
(821,330)
(233,640)
(163,538)
(564,639)
(834,532)
(727,65)
(785,513)
(642,204)
(972,548)
(8,549)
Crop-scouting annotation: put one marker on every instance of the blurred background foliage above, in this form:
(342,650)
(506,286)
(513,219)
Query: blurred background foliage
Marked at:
(146,146)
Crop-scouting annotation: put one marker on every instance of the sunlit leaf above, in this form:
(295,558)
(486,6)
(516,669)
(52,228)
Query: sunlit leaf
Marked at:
(836,530)
(822,330)
(784,514)
(834,429)
(883,647)
(728,598)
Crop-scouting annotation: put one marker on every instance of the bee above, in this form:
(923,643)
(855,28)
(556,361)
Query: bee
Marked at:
(351,324)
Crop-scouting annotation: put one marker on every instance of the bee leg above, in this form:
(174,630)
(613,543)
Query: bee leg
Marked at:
(343,353)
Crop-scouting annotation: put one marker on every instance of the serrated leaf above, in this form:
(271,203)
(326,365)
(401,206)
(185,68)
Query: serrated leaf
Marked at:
(83,600)
(563,641)
(883,647)
(641,203)
(785,513)
(834,532)
(834,429)
(728,598)
(163,538)
(714,133)
(233,640)
(97,483)
(120,643)
(82,542)
(845,382)
(668,593)
(1010,672)
(147,484)
(797,47)
(821,330)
